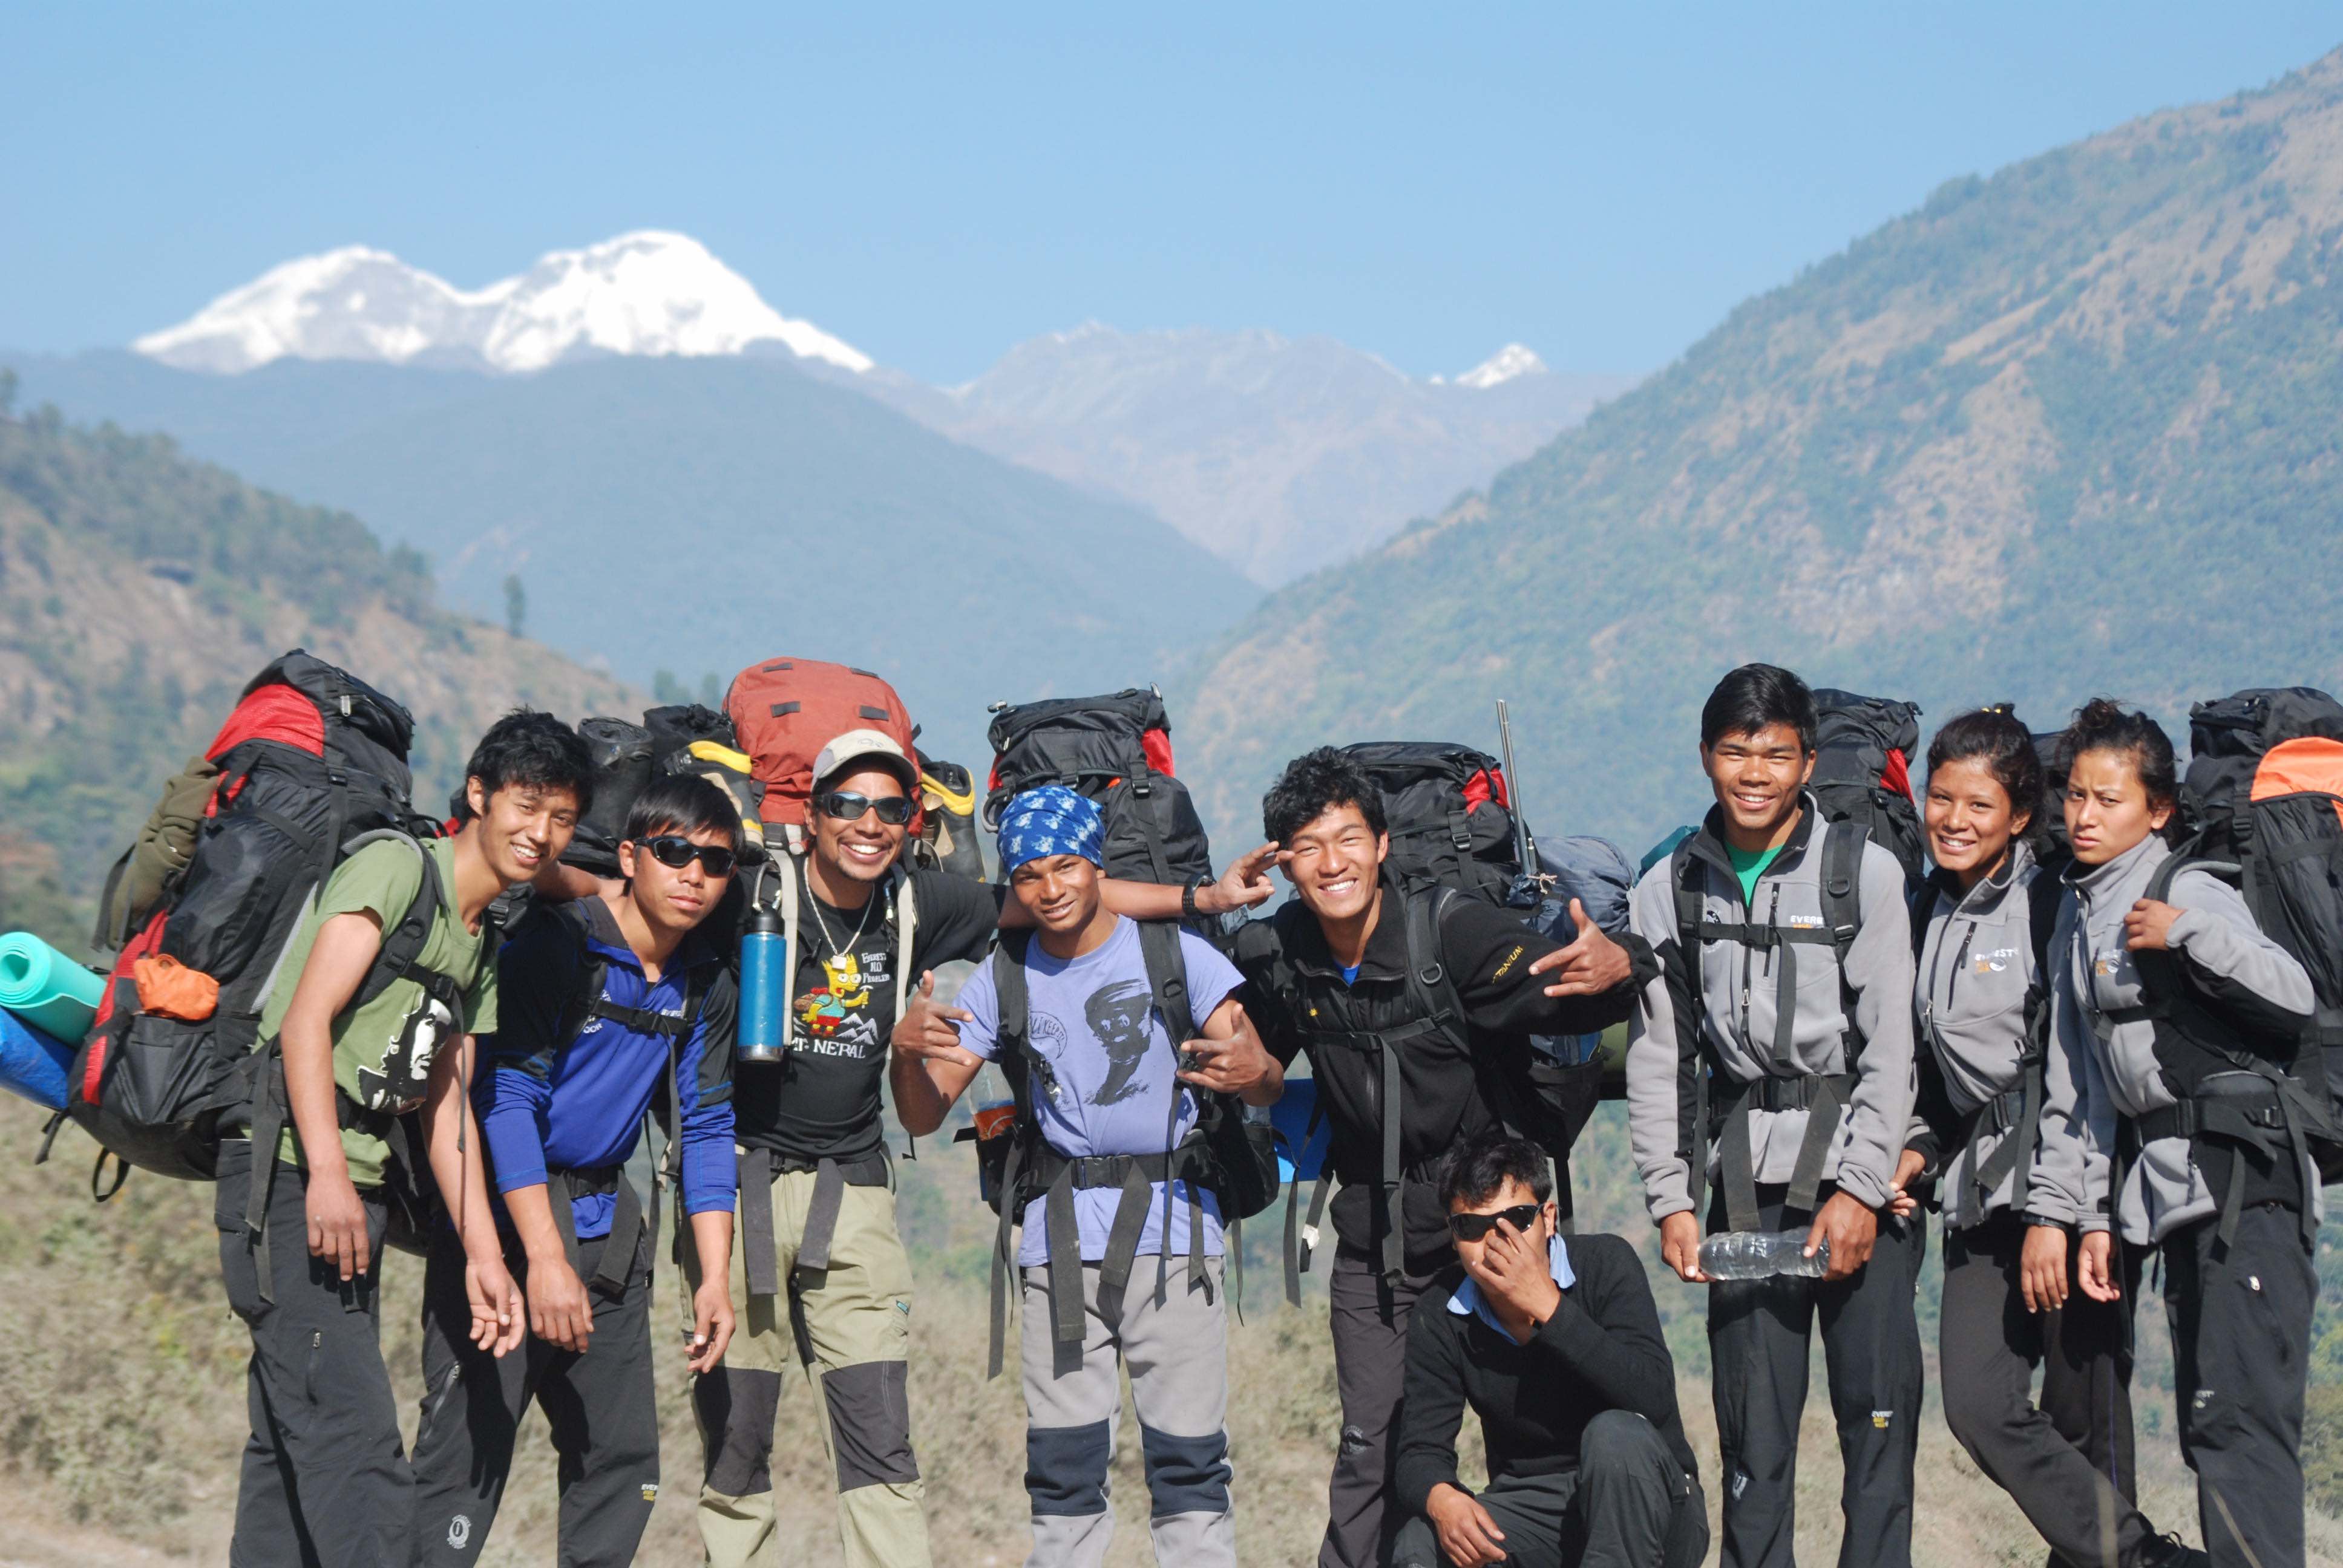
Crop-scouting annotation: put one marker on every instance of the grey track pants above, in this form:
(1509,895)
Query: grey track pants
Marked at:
(1368,1320)
(599,1406)
(2240,1364)
(2067,1461)
(1758,1334)
(1628,1505)
(1177,1353)
(325,1482)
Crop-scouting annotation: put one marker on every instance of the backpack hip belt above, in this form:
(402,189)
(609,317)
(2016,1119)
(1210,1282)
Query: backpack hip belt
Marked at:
(759,1169)
(2016,1113)
(627,1221)
(1059,1177)
(1822,1096)
(2260,1118)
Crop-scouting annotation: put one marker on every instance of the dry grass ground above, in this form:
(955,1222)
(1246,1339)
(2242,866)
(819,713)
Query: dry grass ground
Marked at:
(122,1381)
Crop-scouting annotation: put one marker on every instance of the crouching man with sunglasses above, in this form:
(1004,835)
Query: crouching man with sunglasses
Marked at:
(1556,1344)
(612,1005)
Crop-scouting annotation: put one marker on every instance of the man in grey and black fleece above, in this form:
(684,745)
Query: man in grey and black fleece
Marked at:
(1803,1035)
(2238,1279)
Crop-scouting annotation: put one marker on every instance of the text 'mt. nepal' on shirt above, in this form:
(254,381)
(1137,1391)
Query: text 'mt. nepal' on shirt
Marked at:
(1094,1022)
(822,1101)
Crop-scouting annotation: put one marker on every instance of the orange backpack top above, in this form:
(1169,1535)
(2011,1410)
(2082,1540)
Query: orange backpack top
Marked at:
(785,710)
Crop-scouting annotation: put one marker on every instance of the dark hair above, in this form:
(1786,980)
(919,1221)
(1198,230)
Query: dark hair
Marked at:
(1754,697)
(683,803)
(1478,1168)
(1313,784)
(1994,736)
(2102,725)
(533,750)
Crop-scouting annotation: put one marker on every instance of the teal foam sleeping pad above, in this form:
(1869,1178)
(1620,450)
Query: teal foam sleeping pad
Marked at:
(47,988)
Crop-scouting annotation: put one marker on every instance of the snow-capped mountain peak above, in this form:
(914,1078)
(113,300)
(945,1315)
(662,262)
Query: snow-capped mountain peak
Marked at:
(1505,364)
(647,293)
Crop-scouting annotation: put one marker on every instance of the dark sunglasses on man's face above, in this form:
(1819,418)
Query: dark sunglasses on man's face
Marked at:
(1472,1227)
(675,853)
(846,806)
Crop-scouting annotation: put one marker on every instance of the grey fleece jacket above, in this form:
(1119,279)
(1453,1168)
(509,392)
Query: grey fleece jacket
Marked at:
(2087,1086)
(1977,964)
(1737,1019)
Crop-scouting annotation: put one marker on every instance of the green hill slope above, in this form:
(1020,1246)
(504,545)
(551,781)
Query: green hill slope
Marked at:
(2068,429)
(140,589)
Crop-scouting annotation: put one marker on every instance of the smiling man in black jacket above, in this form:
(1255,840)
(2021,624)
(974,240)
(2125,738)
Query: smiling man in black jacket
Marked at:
(1556,1346)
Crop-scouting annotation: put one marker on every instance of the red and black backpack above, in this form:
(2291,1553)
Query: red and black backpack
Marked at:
(311,764)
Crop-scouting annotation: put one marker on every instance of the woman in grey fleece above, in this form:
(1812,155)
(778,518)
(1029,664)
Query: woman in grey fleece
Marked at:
(1983,992)
(2238,1281)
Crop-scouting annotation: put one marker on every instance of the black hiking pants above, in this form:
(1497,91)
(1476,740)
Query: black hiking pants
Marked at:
(2067,1461)
(599,1406)
(1369,1320)
(2240,1320)
(1758,1338)
(1628,1505)
(325,1482)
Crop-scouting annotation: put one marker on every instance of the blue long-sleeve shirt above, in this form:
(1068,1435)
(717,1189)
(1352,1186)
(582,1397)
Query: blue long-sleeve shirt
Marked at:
(552,1103)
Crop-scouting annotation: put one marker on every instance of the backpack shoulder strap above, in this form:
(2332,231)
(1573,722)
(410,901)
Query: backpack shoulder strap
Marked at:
(1167,977)
(1842,882)
(400,955)
(1428,979)
(907,928)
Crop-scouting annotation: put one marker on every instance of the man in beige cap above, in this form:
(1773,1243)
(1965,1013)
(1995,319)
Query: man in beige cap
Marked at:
(819,1274)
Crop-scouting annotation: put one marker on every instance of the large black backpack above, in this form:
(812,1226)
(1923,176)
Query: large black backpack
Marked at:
(1228,1154)
(2265,792)
(1449,812)
(1863,747)
(1115,750)
(310,766)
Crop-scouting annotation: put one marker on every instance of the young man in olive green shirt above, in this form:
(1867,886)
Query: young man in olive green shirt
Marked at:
(325,1479)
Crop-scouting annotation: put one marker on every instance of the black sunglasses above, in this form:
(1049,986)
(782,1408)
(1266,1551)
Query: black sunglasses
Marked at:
(675,853)
(846,805)
(1472,1227)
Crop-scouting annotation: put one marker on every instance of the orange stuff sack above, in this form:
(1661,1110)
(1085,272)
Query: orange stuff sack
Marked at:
(169,989)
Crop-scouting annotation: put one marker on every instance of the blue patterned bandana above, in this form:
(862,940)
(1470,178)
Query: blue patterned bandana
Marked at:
(1050,821)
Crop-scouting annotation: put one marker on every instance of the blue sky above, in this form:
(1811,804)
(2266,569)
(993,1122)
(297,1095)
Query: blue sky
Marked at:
(1600,181)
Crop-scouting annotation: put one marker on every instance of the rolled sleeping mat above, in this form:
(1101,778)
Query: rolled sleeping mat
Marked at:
(33,1062)
(47,988)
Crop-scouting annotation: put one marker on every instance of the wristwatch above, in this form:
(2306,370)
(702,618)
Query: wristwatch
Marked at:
(1188,900)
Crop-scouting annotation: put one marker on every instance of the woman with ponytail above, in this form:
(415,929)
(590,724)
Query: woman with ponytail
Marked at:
(2159,1123)
(1983,921)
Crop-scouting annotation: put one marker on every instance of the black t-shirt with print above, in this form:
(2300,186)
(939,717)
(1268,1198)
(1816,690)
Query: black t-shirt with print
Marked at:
(822,1099)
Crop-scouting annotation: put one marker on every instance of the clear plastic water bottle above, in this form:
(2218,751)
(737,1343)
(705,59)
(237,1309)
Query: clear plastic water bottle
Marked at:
(1760,1254)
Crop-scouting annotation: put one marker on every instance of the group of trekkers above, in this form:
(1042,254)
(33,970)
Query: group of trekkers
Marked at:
(1815,1045)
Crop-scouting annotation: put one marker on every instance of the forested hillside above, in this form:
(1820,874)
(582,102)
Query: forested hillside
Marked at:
(2067,429)
(139,591)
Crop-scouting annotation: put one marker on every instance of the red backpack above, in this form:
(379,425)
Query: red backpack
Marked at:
(785,710)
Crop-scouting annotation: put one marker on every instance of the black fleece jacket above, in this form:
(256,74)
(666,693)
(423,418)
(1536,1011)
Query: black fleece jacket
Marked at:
(1601,1351)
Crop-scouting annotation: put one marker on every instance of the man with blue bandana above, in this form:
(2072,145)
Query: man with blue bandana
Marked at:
(1113,1094)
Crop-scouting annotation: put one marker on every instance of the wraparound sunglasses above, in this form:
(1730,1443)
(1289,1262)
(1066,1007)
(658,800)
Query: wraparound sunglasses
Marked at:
(1472,1227)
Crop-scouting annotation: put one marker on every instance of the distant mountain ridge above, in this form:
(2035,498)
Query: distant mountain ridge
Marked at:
(2069,429)
(645,293)
(1279,455)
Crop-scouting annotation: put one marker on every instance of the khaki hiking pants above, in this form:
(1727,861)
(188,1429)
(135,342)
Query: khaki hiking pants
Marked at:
(848,1326)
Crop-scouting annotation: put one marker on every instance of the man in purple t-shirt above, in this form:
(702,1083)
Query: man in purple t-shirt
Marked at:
(1106,1081)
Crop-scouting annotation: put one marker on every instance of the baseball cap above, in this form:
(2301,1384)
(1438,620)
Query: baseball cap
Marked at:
(865,746)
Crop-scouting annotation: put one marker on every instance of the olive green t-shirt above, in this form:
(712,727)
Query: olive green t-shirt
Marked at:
(383,1051)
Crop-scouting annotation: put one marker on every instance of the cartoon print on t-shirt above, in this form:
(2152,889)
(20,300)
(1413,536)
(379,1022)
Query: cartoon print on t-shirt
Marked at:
(1116,1014)
(834,1019)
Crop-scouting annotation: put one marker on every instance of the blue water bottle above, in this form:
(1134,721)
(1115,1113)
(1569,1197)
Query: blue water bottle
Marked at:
(764,958)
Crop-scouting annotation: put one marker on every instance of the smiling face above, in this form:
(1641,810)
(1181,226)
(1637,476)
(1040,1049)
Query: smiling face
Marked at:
(670,898)
(522,826)
(1334,861)
(1758,777)
(860,849)
(2108,810)
(1971,820)
(1060,891)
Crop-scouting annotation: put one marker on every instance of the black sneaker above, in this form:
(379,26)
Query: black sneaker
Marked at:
(2170,1552)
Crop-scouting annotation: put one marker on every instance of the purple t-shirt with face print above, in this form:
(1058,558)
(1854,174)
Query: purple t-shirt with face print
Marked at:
(1114,1065)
